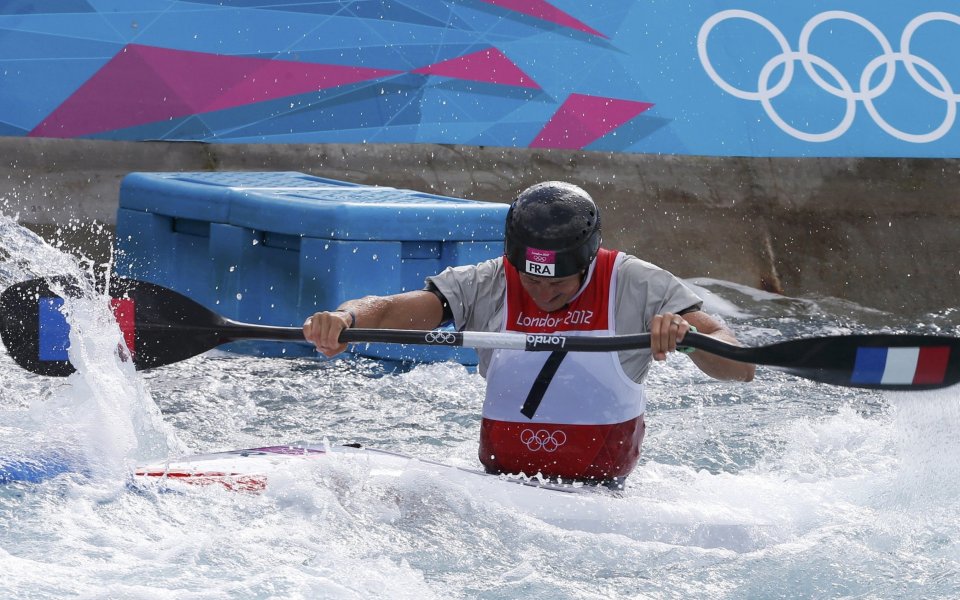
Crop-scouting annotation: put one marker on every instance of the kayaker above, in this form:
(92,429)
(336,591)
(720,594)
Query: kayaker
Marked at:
(570,416)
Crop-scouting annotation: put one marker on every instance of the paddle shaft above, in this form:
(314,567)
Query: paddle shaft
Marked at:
(161,326)
(477,340)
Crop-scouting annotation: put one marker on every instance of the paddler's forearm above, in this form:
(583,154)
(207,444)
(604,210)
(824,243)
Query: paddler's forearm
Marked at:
(711,364)
(723,368)
(410,310)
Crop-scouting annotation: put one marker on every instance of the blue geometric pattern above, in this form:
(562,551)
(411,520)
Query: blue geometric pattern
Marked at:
(67,67)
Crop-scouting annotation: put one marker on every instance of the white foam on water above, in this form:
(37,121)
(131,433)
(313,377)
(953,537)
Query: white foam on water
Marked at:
(103,411)
(928,449)
(714,304)
(802,490)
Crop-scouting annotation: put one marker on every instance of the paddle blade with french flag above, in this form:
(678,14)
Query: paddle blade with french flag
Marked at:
(159,327)
(872,361)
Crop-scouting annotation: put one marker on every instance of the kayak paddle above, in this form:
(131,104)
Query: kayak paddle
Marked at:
(161,327)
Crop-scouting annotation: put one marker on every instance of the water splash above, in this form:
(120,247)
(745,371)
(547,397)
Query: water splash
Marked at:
(103,414)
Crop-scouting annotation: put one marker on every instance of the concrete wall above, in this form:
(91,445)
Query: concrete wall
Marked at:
(880,232)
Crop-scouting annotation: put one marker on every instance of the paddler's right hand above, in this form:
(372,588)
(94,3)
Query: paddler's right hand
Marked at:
(323,330)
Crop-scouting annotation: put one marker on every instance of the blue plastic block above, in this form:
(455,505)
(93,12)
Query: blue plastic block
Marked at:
(275,247)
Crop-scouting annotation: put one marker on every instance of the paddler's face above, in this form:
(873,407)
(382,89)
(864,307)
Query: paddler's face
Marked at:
(551,293)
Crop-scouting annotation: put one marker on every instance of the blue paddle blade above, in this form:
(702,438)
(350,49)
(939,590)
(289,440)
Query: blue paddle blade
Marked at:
(159,326)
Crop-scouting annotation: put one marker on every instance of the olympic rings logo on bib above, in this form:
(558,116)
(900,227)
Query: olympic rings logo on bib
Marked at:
(866,91)
(548,441)
(440,337)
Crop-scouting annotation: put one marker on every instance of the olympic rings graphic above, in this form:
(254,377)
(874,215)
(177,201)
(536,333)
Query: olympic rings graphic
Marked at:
(548,441)
(440,337)
(843,88)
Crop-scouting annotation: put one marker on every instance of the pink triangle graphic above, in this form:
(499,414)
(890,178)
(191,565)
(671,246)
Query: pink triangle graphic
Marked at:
(546,12)
(583,119)
(145,84)
(489,66)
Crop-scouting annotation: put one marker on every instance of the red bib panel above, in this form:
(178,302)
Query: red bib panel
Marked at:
(588,424)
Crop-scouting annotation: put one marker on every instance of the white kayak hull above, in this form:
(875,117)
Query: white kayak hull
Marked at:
(281,469)
(251,469)
(284,470)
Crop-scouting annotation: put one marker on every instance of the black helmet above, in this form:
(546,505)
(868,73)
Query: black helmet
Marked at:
(553,230)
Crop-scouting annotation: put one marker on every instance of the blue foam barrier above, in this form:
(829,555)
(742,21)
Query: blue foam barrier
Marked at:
(275,247)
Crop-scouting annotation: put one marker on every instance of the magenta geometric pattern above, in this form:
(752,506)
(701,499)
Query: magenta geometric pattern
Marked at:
(124,92)
(582,119)
(444,71)
(543,10)
(490,66)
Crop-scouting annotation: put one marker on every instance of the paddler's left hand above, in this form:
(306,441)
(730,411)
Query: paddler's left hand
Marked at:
(323,330)
(666,332)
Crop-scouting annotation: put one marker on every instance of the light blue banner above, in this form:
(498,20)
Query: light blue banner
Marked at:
(747,78)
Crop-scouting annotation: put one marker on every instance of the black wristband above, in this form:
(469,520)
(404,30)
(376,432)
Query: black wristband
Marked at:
(353,316)
(447,311)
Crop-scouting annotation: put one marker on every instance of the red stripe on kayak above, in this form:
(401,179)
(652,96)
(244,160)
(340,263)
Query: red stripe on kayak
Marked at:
(124,311)
(932,365)
(231,481)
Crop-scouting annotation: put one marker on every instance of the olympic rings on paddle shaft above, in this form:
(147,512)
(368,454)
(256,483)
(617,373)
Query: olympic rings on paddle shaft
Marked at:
(440,337)
(548,441)
(843,89)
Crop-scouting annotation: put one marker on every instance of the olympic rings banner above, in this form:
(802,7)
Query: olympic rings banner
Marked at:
(743,78)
